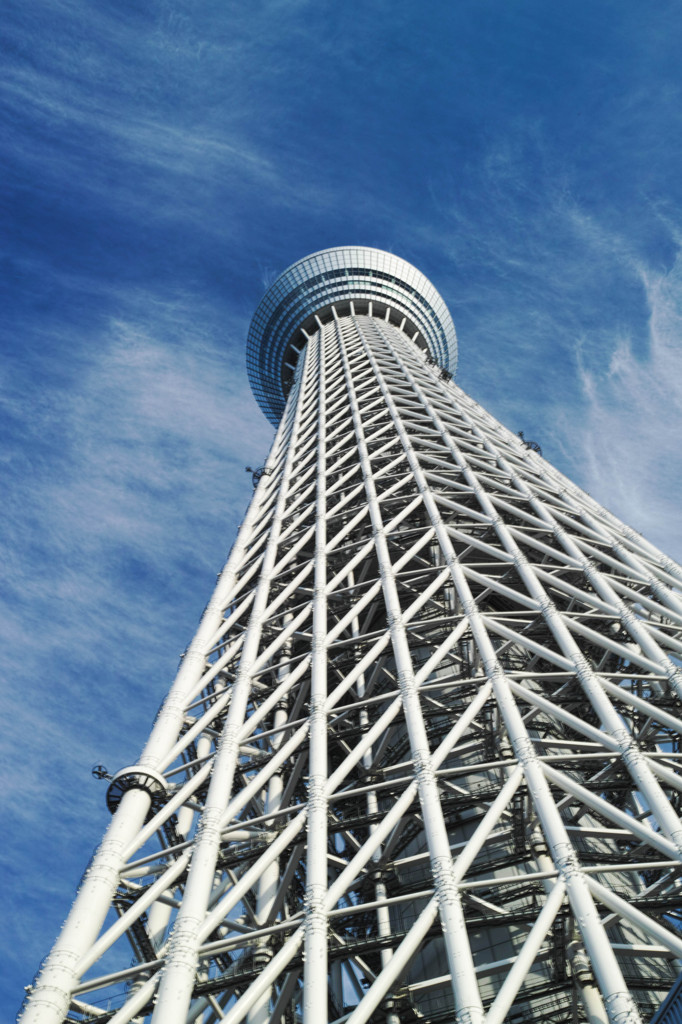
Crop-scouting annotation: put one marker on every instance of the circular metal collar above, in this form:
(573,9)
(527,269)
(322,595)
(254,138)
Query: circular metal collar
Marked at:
(332,276)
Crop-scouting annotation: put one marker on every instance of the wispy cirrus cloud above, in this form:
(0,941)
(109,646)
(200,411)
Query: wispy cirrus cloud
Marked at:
(123,486)
(129,442)
(627,447)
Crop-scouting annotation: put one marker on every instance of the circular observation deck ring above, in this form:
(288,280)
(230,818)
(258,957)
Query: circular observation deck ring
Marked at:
(337,277)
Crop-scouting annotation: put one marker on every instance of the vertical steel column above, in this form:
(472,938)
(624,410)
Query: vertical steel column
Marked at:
(269,881)
(380,892)
(582,972)
(315,983)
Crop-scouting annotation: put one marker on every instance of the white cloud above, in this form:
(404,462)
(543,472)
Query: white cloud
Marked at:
(122,493)
(627,444)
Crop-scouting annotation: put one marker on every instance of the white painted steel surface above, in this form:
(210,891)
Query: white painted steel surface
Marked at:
(421,761)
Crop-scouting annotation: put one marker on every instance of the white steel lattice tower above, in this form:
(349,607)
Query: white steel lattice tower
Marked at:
(421,761)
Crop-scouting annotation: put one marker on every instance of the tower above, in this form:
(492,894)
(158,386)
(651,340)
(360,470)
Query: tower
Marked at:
(421,759)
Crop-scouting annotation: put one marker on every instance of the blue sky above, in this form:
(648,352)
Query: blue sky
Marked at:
(163,161)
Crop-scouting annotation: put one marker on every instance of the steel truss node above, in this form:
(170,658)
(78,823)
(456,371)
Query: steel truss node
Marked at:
(421,761)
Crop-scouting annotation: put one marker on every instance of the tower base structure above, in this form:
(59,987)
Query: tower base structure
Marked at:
(421,761)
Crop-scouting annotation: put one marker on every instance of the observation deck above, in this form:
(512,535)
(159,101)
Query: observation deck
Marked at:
(375,281)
